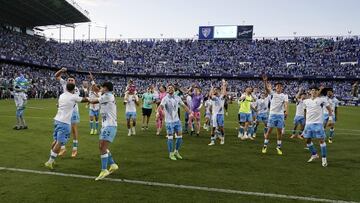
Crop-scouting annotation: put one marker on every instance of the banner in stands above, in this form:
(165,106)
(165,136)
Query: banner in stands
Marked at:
(245,32)
(206,32)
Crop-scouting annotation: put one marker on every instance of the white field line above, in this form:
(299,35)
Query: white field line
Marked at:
(170,185)
(38,108)
(152,122)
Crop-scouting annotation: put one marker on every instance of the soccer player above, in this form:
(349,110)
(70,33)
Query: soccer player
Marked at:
(188,103)
(197,102)
(244,116)
(148,99)
(75,118)
(109,127)
(314,123)
(94,110)
(299,119)
(217,97)
(170,105)
(334,104)
(62,121)
(20,86)
(131,100)
(207,113)
(278,112)
(160,113)
(262,108)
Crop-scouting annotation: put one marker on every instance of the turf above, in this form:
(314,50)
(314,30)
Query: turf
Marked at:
(237,165)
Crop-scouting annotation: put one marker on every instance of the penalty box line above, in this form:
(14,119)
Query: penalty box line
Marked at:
(171,185)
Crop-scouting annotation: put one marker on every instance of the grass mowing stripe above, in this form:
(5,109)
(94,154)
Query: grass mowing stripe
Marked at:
(188,187)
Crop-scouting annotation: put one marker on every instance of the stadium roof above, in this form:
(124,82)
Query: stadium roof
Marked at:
(32,13)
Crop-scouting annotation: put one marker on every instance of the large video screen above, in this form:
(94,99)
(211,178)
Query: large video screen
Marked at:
(225,32)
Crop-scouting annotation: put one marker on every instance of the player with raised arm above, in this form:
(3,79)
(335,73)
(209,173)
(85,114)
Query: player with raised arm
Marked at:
(109,127)
(245,116)
(314,119)
(20,86)
(75,118)
(131,100)
(170,105)
(197,102)
(277,115)
(334,104)
(207,113)
(217,97)
(299,119)
(94,109)
(62,121)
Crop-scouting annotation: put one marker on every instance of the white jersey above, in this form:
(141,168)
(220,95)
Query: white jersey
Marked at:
(333,102)
(262,105)
(130,102)
(20,99)
(217,103)
(66,104)
(92,96)
(299,107)
(277,102)
(108,109)
(208,106)
(77,92)
(189,101)
(171,104)
(314,109)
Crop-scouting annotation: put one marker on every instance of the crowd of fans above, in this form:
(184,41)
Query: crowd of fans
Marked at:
(305,56)
(44,84)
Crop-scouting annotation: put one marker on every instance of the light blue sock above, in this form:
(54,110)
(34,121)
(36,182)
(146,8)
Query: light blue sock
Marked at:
(241,129)
(178,143)
(266,142)
(110,158)
(91,124)
(250,130)
(170,143)
(323,150)
(255,128)
(104,161)
(311,148)
(331,133)
(97,125)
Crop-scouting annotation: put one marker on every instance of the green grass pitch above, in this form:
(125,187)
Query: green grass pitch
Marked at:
(237,165)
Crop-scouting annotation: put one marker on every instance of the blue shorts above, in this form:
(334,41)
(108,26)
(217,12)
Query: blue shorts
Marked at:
(218,120)
(262,117)
(245,117)
(20,111)
(253,113)
(75,117)
(299,120)
(326,118)
(276,121)
(108,133)
(129,115)
(314,130)
(61,132)
(94,113)
(173,127)
(208,115)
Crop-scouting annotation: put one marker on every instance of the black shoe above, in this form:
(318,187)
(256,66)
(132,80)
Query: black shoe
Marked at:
(197,134)
(25,127)
(16,128)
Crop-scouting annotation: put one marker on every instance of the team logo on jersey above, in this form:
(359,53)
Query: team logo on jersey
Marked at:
(206,31)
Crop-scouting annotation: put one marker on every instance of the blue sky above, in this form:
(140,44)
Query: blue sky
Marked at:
(181,18)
